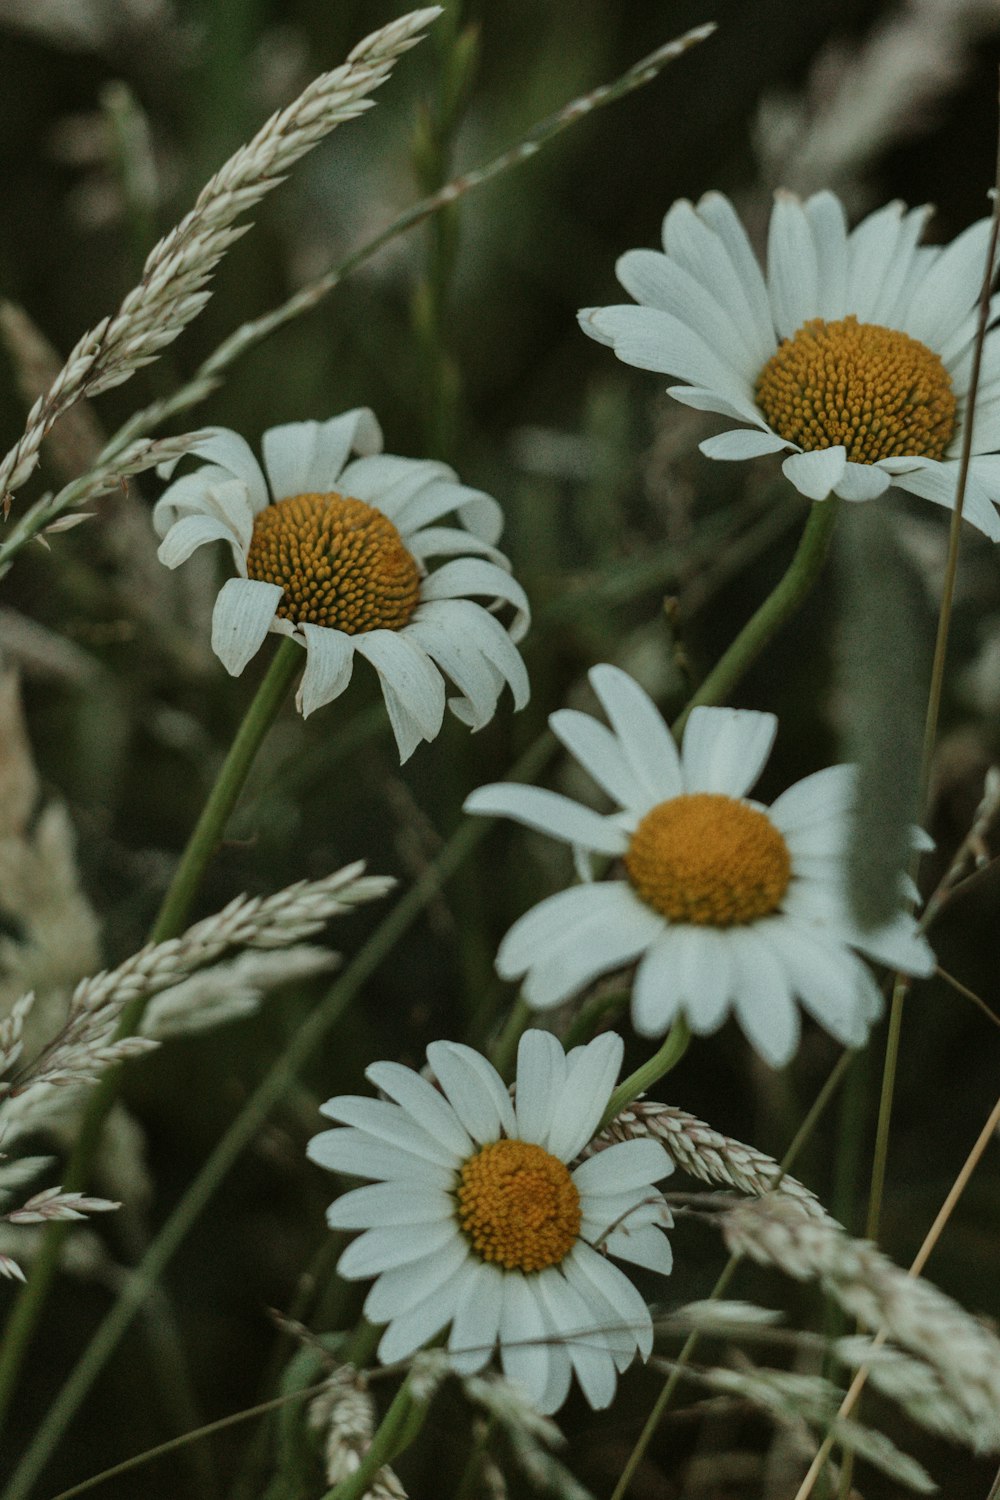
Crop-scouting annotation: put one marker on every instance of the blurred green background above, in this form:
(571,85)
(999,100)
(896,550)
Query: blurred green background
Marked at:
(611,511)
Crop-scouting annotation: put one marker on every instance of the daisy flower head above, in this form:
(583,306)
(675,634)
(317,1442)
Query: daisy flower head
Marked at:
(332,550)
(853,353)
(484,1217)
(726,904)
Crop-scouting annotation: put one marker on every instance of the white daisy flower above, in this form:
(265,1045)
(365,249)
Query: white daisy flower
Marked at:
(332,551)
(479,1219)
(726,904)
(854,353)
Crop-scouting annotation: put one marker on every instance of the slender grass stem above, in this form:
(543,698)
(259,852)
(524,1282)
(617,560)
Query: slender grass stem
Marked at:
(901,987)
(667,1056)
(176,904)
(396,1431)
(790,592)
(272,1088)
(802,1135)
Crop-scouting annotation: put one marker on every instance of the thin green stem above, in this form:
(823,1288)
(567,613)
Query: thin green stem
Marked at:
(176,904)
(397,1430)
(504,1050)
(667,1056)
(802,1135)
(935,690)
(790,592)
(245,1128)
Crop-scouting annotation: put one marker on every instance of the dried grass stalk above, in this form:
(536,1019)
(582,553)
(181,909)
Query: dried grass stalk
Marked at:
(173,287)
(707,1154)
(920,1319)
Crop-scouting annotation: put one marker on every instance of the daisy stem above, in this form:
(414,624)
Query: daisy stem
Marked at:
(171,919)
(668,1056)
(786,597)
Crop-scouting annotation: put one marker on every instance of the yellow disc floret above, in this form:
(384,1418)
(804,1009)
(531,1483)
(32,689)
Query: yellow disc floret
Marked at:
(708,859)
(518,1205)
(876,390)
(340,562)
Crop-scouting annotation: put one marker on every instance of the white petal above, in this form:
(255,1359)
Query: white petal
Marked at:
(707,400)
(560,920)
(742,443)
(646,742)
(593,1276)
(938,482)
(815,474)
(392,1204)
(329,664)
(647,1247)
(862,482)
(541,1074)
(242,616)
(417,1327)
(523,1337)
(307,457)
(390,1246)
(583,1339)
(476,1323)
(834,985)
(191,496)
(725,749)
(687,971)
(763,997)
(792,273)
(450,541)
(396,1292)
(471,575)
(409,679)
(357,1153)
(190,533)
(620,1169)
(485,632)
(385,480)
(828,223)
(601,756)
(590,1078)
(872,248)
(654,340)
(950,287)
(389,1123)
(894,296)
(548,812)
(233,453)
(457,655)
(597,948)
(829,793)
(660,282)
(420,1099)
(474,1089)
(711,243)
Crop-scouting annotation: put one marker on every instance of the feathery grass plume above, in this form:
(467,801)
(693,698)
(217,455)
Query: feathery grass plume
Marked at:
(791,1398)
(911,1383)
(76,439)
(344,1416)
(178,268)
(917,1316)
(232,989)
(87,1042)
(858,102)
(531,1438)
(707,1154)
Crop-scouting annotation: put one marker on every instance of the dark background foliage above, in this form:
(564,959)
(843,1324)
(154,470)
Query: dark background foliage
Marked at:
(611,511)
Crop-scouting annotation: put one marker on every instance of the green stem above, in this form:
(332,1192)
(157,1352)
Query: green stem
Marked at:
(668,1055)
(396,1431)
(781,603)
(802,1135)
(173,913)
(504,1050)
(246,1127)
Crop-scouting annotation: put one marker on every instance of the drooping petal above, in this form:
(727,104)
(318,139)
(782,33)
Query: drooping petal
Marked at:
(242,616)
(410,681)
(191,532)
(817,473)
(329,666)
(233,453)
(471,575)
(862,482)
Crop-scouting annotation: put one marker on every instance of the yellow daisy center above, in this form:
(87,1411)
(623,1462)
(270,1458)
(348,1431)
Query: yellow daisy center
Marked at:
(340,562)
(519,1206)
(876,390)
(708,859)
